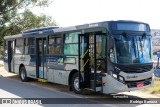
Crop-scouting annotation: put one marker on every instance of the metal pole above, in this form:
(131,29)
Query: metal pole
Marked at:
(95,62)
(158,63)
(79,63)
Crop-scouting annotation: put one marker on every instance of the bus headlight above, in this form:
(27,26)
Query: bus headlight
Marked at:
(114,75)
(121,78)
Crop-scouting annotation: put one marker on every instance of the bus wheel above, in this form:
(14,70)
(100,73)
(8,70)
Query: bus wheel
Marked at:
(23,75)
(75,84)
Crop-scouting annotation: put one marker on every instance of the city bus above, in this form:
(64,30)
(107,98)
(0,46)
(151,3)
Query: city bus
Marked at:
(106,57)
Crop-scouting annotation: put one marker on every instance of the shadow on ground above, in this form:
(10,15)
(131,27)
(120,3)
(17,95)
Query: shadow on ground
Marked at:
(97,98)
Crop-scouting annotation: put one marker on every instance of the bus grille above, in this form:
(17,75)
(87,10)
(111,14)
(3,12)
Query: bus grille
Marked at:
(133,84)
(137,69)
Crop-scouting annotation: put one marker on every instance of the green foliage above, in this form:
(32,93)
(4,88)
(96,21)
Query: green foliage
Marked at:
(28,20)
(24,21)
(11,5)
(155,89)
(12,22)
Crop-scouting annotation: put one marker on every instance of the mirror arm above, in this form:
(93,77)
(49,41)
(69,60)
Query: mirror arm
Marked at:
(158,63)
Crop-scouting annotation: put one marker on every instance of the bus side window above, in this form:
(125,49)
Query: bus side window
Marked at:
(19,49)
(30,46)
(55,45)
(71,43)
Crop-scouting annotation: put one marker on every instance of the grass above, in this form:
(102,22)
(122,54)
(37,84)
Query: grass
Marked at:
(155,89)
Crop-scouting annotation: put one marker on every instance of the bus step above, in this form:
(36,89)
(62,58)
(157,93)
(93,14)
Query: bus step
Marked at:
(98,89)
(98,84)
(42,80)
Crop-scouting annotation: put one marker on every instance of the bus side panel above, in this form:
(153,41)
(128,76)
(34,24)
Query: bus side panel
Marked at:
(31,71)
(57,76)
(60,76)
(59,68)
(28,61)
(18,60)
(30,65)
(69,67)
(6,65)
(50,75)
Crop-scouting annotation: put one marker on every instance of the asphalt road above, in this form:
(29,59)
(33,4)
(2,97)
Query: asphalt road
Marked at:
(16,89)
(10,88)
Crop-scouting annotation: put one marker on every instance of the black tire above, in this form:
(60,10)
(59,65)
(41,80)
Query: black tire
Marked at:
(23,75)
(75,84)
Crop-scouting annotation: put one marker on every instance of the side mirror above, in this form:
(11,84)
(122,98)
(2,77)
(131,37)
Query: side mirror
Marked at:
(157,72)
(158,54)
(157,69)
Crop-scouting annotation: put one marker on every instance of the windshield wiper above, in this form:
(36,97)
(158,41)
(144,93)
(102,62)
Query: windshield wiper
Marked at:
(125,35)
(134,46)
(142,42)
(144,38)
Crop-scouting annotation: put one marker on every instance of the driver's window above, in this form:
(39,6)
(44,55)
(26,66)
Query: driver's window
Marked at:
(101,45)
(112,50)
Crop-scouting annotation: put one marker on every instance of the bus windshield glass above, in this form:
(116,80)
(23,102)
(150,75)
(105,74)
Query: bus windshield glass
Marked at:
(132,49)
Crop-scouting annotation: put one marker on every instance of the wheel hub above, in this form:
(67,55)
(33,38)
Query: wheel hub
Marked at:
(76,84)
(23,74)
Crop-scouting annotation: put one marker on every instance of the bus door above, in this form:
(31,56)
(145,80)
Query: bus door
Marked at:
(84,61)
(11,56)
(41,58)
(92,62)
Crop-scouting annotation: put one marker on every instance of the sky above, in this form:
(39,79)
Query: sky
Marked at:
(77,12)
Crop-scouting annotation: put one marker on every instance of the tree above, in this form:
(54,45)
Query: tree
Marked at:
(28,20)
(8,8)
(10,5)
(12,22)
(24,21)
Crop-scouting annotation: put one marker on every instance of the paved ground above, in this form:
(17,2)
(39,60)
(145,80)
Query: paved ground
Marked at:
(15,89)
(1,62)
(12,87)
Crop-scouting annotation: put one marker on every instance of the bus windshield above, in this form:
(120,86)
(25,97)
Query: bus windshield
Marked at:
(132,49)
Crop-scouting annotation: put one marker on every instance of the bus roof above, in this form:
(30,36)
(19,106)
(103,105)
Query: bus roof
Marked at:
(13,36)
(40,29)
(54,29)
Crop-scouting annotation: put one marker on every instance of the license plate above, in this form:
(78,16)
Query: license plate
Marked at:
(140,84)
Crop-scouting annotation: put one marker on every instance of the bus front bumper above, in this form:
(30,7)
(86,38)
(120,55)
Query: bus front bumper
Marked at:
(113,85)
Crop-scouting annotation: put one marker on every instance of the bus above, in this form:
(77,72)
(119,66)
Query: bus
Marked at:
(106,57)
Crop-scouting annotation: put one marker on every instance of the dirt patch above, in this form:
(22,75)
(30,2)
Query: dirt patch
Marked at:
(4,73)
(55,86)
(62,88)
